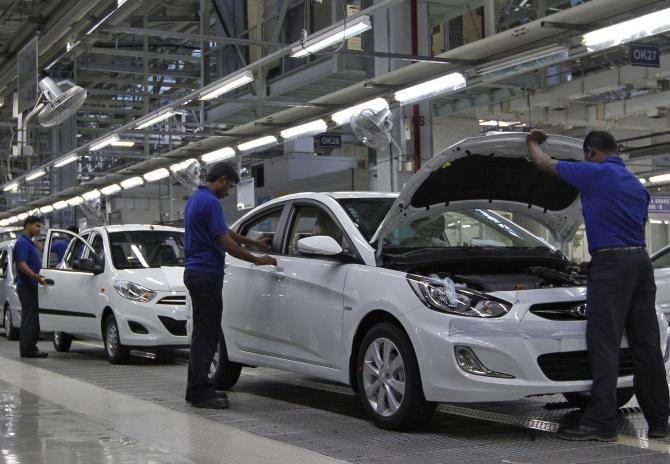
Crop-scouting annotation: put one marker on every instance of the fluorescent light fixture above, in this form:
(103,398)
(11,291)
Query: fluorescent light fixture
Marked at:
(110,189)
(32,212)
(14,186)
(449,83)
(660,178)
(216,155)
(655,221)
(642,180)
(4,223)
(13,219)
(344,116)
(74,201)
(65,161)
(303,130)
(132,182)
(60,205)
(258,143)
(182,165)
(36,174)
(92,195)
(523,62)
(123,143)
(335,35)
(156,119)
(226,85)
(46,209)
(628,31)
(104,142)
(158,174)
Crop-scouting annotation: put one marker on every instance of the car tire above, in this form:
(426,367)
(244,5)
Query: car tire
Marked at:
(581,399)
(223,373)
(115,351)
(384,402)
(62,342)
(11,332)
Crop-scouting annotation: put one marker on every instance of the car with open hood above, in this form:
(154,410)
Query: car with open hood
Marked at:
(120,284)
(425,296)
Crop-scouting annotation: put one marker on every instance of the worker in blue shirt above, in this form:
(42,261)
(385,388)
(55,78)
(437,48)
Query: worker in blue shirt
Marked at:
(60,246)
(28,264)
(206,241)
(621,291)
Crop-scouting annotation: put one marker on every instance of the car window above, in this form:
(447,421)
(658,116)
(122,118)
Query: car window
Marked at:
(662,260)
(99,248)
(262,227)
(138,249)
(311,221)
(59,243)
(366,213)
(75,251)
(4,264)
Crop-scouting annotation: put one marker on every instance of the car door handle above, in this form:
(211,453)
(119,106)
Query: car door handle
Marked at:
(49,282)
(278,273)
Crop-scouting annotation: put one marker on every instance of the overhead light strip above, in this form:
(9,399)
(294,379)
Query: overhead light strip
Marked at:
(322,40)
(628,31)
(227,85)
(104,142)
(344,116)
(523,62)
(441,85)
(36,174)
(156,119)
(65,161)
(218,155)
(110,189)
(157,174)
(304,130)
(258,143)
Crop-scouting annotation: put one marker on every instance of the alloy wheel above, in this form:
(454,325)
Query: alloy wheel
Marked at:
(112,339)
(214,365)
(384,377)
(8,322)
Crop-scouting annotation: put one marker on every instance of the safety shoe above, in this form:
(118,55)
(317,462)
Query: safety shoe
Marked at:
(35,354)
(213,403)
(585,433)
(658,431)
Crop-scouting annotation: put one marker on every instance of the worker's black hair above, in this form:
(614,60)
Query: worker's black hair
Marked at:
(601,141)
(73,229)
(222,169)
(32,220)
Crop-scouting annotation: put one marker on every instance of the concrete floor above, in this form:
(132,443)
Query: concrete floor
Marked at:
(76,408)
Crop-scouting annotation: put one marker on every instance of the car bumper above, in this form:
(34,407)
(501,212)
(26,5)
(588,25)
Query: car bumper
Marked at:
(511,346)
(155,324)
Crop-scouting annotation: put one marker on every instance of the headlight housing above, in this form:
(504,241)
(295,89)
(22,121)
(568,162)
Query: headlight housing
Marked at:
(440,296)
(133,292)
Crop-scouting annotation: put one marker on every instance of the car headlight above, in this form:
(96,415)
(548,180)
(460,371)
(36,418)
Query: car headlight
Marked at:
(439,296)
(134,292)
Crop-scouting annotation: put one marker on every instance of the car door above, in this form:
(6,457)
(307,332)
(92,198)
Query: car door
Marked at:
(4,275)
(661,264)
(66,304)
(247,288)
(304,320)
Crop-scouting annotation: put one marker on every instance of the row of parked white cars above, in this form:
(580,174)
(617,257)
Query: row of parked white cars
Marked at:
(412,299)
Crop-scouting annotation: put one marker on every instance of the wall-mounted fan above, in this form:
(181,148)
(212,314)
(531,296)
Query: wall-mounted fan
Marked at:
(373,128)
(62,101)
(92,209)
(189,176)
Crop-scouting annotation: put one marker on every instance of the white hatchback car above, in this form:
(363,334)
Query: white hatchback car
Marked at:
(9,299)
(121,284)
(423,297)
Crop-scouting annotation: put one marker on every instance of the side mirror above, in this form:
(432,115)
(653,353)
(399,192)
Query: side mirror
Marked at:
(319,245)
(87,265)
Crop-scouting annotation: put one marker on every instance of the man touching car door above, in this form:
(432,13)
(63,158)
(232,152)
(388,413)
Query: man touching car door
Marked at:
(207,240)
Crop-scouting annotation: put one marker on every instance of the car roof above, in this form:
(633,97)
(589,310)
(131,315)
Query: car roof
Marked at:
(136,227)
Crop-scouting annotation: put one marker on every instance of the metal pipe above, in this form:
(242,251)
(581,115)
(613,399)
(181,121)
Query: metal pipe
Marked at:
(416,113)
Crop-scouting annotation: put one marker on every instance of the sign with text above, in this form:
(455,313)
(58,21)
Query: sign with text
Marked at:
(245,194)
(659,204)
(329,140)
(644,55)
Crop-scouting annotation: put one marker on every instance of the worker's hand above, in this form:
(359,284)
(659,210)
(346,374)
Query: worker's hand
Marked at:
(40,279)
(537,135)
(265,261)
(265,242)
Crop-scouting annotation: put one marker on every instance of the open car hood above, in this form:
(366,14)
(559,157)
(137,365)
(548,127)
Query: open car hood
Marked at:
(492,172)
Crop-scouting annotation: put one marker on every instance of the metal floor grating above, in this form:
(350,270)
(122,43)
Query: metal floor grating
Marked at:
(326,418)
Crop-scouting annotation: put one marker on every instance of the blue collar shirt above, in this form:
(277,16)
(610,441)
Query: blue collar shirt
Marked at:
(26,251)
(204,222)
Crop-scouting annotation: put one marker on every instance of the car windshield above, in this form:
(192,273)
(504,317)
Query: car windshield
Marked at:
(366,213)
(464,228)
(147,248)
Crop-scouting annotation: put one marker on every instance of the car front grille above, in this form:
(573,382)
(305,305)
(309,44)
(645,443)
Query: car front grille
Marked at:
(564,311)
(174,326)
(574,365)
(178,300)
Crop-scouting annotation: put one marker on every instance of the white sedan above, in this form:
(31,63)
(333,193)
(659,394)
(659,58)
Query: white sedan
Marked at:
(425,296)
(120,284)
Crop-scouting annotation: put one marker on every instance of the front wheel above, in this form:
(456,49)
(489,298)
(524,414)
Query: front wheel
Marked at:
(223,373)
(389,382)
(11,332)
(116,352)
(62,342)
(581,399)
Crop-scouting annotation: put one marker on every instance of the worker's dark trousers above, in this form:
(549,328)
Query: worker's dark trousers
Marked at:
(205,291)
(30,319)
(621,294)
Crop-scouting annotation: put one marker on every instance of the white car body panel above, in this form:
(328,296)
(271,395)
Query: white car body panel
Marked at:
(662,278)
(9,299)
(77,300)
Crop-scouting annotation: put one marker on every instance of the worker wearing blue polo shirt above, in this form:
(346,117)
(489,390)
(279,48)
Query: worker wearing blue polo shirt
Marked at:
(60,246)
(206,241)
(29,264)
(620,287)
